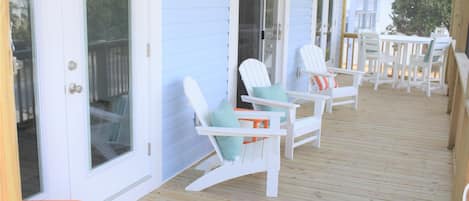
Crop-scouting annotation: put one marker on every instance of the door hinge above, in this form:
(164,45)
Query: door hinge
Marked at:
(262,35)
(149,149)
(148,50)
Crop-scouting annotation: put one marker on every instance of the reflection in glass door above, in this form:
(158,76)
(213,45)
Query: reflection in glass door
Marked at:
(271,37)
(249,38)
(24,83)
(250,30)
(109,78)
(324,26)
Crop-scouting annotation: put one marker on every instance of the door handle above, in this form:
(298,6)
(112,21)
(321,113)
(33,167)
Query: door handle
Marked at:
(72,65)
(74,88)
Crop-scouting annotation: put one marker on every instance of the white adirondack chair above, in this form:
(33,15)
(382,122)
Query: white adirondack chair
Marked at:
(254,74)
(261,156)
(313,63)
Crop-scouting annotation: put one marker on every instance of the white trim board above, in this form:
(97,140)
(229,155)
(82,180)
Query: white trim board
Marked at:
(336,31)
(233,52)
(283,69)
(156,89)
(313,21)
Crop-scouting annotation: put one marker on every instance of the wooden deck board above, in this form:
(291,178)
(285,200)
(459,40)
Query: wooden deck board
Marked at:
(393,148)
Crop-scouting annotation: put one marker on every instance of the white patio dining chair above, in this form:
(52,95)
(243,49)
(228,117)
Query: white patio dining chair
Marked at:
(254,74)
(434,58)
(260,156)
(379,62)
(313,64)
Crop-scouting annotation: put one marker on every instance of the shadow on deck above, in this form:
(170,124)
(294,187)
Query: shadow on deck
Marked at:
(392,148)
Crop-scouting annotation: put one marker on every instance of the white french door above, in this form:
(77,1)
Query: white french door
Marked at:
(81,89)
(106,86)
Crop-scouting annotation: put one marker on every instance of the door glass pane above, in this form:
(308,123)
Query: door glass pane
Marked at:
(271,34)
(318,23)
(109,79)
(250,28)
(329,29)
(250,42)
(23,65)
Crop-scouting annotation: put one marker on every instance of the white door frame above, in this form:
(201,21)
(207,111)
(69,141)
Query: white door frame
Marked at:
(284,19)
(50,105)
(154,11)
(324,24)
(313,21)
(233,52)
(50,100)
(281,69)
(336,31)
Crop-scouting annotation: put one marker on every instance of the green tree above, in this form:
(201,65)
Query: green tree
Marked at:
(420,17)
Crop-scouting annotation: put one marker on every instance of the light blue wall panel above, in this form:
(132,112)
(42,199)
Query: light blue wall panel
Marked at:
(195,43)
(299,35)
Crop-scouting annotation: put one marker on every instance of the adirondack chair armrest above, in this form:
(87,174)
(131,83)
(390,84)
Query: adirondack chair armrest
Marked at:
(265,102)
(241,132)
(319,100)
(309,73)
(307,96)
(357,75)
(347,72)
(259,114)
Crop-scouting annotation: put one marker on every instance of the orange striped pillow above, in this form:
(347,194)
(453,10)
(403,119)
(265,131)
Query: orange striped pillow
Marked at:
(324,83)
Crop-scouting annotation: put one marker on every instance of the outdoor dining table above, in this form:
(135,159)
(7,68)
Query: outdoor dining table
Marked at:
(402,46)
(406,46)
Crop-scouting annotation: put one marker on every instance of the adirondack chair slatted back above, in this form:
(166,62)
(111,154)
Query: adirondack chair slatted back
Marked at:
(254,74)
(439,47)
(200,106)
(371,44)
(313,59)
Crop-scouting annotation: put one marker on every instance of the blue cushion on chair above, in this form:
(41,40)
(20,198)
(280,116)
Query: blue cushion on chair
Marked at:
(224,116)
(274,93)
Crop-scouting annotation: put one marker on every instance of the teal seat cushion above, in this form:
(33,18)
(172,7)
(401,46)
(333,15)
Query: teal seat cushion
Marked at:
(274,93)
(224,116)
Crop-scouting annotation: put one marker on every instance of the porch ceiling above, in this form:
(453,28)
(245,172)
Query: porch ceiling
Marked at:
(393,148)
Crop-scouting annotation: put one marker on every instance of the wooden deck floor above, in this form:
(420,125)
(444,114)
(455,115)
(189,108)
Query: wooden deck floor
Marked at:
(393,148)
